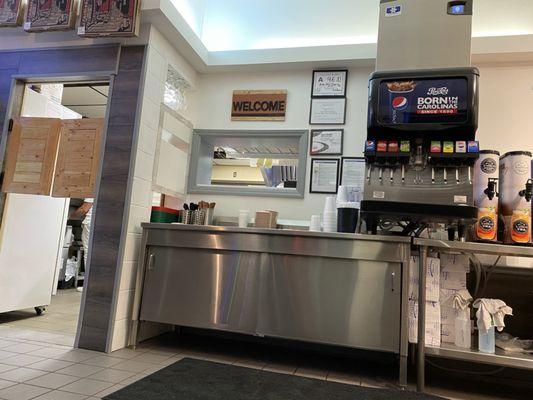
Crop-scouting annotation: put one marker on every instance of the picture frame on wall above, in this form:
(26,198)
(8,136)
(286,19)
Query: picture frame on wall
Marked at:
(51,15)
(324,175)
(329,83)
(109,18)
(326,142)
(11,13)
(327,111)
(353,172)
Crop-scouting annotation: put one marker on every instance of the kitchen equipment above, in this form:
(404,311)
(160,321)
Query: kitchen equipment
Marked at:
(422,119)
(516,191)
(486,175)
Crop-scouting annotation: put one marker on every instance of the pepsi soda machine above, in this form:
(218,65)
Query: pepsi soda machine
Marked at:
(421,149)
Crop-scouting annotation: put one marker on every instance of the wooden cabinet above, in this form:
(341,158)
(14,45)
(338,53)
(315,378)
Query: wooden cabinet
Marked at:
(78,158)
(31,155)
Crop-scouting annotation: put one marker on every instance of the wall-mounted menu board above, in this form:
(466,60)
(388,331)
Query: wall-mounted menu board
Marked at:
(45,15)
(11,12)
(109,18)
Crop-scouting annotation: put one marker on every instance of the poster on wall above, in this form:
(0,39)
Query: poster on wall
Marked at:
(11,13)
(329,83)
(327,111)
(353,172)
(324,175)
(259,105)
(326,142)
(48,15)
(109,18)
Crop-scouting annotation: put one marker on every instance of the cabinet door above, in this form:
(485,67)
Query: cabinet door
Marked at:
(31,155)
(78,157)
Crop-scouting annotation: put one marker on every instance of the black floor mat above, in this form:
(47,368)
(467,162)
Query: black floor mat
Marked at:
(191,379)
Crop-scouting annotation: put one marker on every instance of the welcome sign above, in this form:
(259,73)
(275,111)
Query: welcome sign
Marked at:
(259,105)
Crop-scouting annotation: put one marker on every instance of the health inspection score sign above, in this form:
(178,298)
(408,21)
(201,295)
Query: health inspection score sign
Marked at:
(259,105)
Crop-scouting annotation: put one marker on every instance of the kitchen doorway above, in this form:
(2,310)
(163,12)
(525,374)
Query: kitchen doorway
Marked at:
(50,177)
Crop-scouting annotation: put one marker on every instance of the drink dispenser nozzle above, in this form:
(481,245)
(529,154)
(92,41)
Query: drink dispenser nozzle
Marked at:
(492,188)
(528,191)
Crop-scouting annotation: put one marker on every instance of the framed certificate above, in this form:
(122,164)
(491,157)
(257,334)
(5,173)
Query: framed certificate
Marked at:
(329,83)
(353,172)
(324,175)
(328,111)
(326,142)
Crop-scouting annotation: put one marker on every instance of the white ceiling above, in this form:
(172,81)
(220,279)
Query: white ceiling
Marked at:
(246,24)
(89,101)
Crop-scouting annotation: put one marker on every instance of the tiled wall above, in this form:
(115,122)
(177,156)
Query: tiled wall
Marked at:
(160,55)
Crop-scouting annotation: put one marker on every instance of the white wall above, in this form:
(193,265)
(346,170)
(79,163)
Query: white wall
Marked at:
(506,103)
(213,102)
(160,55)
(506,108)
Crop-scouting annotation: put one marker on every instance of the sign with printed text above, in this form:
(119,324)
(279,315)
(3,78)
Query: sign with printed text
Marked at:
(393,11)
(423,101)
(259,105)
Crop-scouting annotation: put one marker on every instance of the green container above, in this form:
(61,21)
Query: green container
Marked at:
(164,215)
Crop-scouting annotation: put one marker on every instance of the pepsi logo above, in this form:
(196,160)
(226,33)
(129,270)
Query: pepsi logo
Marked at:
(399,103)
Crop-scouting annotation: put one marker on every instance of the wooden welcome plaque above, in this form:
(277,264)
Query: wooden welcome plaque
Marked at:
(259,105)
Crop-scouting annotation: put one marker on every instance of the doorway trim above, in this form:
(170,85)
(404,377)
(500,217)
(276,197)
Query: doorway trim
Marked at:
(122,66)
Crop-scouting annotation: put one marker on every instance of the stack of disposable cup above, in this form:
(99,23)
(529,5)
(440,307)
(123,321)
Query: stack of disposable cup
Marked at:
(329,219)
(316,223)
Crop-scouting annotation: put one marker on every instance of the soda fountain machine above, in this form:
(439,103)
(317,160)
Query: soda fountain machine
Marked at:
(421,143)
(421,149)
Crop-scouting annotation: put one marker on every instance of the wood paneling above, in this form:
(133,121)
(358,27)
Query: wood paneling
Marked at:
(31,156)
(78,158)
(112,200)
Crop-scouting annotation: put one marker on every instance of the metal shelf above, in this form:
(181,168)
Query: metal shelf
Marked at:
(482,248)
(501,358)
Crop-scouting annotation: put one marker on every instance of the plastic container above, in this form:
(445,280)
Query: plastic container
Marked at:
(347,219)
(487,341)
(244,218)
(463,335)
(164,214)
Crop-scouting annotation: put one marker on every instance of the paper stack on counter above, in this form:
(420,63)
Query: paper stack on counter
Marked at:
(453,270)
(433,331)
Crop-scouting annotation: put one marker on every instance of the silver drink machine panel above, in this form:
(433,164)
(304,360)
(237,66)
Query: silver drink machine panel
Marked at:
(424,34)
(421,148)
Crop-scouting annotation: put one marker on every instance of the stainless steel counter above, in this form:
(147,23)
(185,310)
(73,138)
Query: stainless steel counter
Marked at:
(329,288)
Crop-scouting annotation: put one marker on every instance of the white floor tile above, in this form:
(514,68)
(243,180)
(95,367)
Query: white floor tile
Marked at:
(4,383)
(80,370)
(88,387)
(52,380)
(22,360)
(50,365)
(5,367)
(109,390)
(133,366)
(21,348)
(112,375)
(21,374)
(22,391)
(103,361)
(59,395)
